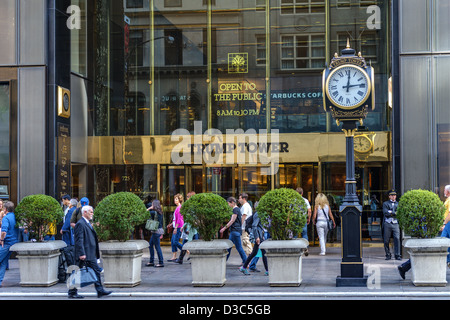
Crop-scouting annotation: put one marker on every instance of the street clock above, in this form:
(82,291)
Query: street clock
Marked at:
(348,87)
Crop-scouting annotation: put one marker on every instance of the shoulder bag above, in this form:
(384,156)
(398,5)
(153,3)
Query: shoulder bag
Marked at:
(330,223)
(152,224)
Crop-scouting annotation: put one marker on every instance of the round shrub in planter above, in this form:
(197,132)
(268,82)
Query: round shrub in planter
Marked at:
(115,218)
(420,214)
(286,211)
(117,215)
(207,213)
(38,262)
(37,213)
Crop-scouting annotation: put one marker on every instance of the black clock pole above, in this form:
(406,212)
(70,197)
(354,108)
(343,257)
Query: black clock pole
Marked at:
(352,267)
(349,93)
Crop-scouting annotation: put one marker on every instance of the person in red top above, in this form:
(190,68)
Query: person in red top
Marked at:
(178,223)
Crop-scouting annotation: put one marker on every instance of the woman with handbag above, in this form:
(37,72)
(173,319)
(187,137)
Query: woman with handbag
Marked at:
(156,214)
(178,223)
(324,220)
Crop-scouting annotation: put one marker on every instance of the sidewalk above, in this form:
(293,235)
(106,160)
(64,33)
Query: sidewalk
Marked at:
(319,281)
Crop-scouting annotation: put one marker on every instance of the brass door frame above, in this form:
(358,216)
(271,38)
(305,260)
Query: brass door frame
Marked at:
(9,76)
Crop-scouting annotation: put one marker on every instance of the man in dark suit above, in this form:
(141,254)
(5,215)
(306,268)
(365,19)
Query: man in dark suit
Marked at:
(391,227)
(87,250)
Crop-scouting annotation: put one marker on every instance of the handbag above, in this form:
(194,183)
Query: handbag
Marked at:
(170,228)
(82,277)
(330,223)
(152,224)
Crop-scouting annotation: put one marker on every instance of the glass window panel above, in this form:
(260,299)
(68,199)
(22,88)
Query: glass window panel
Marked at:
(415,26)
(78,38)
(302,64)
(288,53)
(302,52)
(302,40)
(238,80)
(442,65)
(8,32)
(254,183)
(180,66)
(442,25)
(318,52)
(4,127)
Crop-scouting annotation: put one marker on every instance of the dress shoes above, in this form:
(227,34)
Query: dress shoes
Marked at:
(103,293)
(75,296)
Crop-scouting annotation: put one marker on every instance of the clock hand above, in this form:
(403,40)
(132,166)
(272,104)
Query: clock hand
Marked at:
(351,86)
(348,83)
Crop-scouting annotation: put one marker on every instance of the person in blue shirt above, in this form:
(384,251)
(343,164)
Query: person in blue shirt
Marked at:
(9,236)
(67,230)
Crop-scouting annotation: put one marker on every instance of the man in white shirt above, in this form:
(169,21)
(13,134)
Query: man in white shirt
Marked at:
(246,211)
(308,218)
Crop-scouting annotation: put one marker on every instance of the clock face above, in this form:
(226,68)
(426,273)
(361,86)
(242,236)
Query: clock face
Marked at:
(362,144)
(66,102)
(348,86)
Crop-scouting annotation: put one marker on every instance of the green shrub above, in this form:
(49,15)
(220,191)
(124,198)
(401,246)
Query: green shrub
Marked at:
(206,212)
(117,215)
(285,209)
(420,213)
(38,213)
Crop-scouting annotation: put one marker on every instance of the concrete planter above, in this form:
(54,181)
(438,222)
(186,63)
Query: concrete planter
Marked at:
(38,262)
(285,261)
(428,261)
(122,262)
(208,262)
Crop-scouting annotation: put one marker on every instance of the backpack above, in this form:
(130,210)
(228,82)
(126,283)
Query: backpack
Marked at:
(66,259)
(248,224)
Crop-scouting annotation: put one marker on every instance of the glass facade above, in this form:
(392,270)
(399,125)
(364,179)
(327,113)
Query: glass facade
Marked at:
(424,61)
(161,65)
(157,66)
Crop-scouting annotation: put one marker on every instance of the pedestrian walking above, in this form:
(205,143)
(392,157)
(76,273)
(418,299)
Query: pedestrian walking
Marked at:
(156,236)
(8,237)
(67,230)
(76,216)
(188,233)
(322,213)
(446,226)
(87,251)
(235,226)
(257,230)
(308,218)
(178,223)
(246,212)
